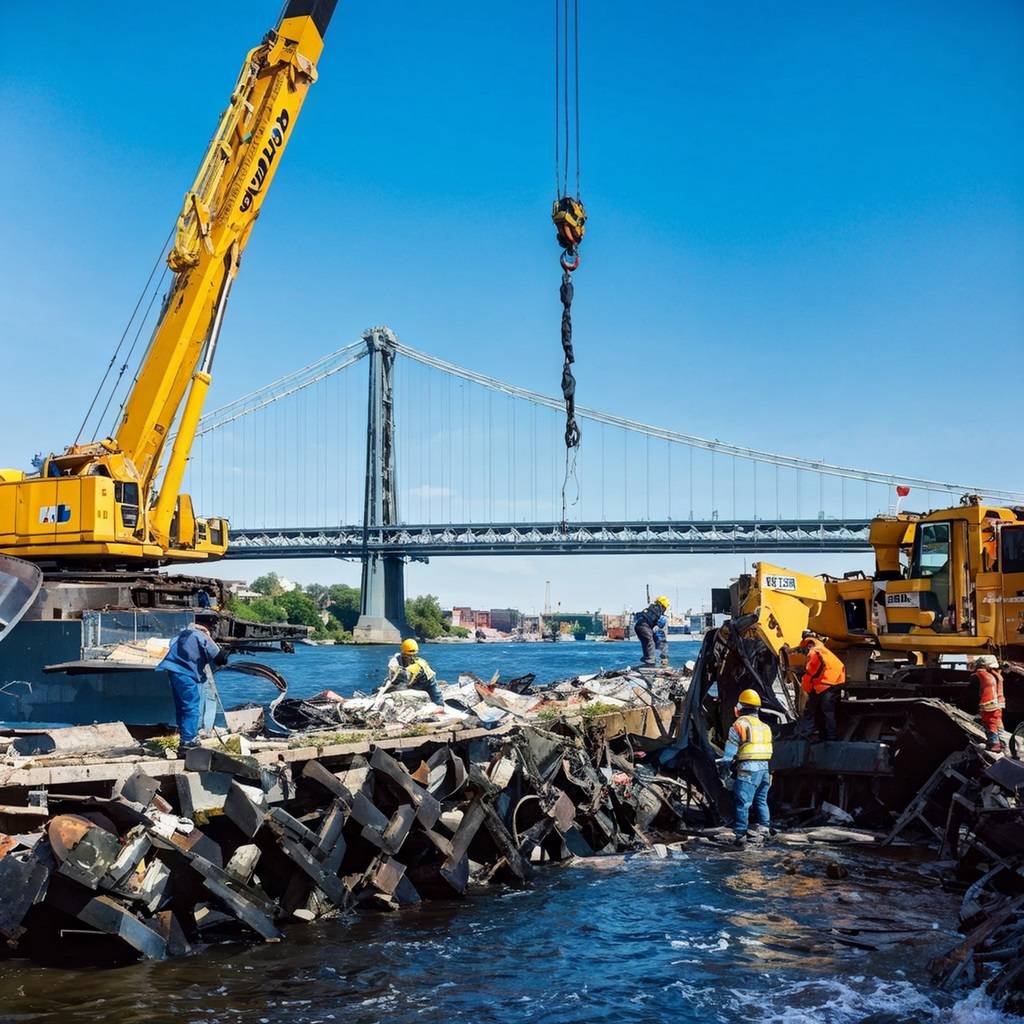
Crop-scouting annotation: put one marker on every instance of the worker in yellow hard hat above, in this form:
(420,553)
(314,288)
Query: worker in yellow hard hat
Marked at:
(748,751)
(644,624)
(408,671)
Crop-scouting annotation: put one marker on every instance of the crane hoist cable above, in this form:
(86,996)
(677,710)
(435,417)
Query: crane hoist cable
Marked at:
(567,212)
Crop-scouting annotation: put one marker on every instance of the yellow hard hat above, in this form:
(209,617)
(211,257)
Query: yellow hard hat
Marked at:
(750,698)
(410,646)
(663,601)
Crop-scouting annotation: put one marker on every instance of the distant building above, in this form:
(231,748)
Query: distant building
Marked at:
(615,621)
(504,619)
(463,617)
(482,620)
(529,623)
(240,589)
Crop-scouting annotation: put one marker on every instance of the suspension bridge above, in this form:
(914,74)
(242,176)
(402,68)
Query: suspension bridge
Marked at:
(420,457)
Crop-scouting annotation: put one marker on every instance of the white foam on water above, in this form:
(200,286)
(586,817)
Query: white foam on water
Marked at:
(850,1000)
(836,1000)
(976,1008)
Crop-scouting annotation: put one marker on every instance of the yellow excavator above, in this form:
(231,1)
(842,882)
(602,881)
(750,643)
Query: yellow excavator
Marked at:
(103,505)
(947,583)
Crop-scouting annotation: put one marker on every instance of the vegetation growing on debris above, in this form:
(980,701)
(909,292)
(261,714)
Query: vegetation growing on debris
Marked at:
(328,739)
(597,708)
(158,744)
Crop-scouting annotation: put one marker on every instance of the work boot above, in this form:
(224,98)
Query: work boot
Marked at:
(184,748)
(740,841)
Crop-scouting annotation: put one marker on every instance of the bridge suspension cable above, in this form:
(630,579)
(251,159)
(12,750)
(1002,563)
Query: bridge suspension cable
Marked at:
(284,386)
(706,444)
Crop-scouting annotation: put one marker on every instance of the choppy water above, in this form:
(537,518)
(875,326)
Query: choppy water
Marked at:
(708,936)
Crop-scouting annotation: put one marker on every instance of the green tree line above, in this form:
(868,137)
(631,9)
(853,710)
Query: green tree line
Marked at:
(306,606)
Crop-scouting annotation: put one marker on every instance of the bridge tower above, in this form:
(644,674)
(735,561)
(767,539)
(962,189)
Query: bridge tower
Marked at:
(382,601)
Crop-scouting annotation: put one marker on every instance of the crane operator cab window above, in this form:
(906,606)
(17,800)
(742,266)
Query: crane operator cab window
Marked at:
(931,562)
(1012,560)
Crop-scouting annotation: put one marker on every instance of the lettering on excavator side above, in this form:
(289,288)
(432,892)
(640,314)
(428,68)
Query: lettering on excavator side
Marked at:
(274,143)
(54,513)
(902,600)
(780,582)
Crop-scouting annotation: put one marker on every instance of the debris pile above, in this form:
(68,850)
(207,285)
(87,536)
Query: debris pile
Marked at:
(236,846)
(982,826)
(470,702)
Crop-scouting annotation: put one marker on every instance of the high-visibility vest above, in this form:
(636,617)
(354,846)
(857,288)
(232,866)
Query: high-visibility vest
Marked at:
(755,739)
(823,669)
(989,697)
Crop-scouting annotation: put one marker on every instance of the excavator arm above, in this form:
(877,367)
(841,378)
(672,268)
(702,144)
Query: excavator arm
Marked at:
(779,603)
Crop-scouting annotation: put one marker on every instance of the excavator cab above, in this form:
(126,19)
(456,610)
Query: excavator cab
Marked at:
(964,583)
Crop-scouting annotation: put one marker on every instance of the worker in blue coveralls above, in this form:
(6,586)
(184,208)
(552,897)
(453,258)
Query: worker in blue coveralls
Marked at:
(185,664)
(661,641)
(643,625)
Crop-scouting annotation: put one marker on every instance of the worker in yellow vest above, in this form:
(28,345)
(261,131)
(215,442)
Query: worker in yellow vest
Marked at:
(408,671)
(749,749)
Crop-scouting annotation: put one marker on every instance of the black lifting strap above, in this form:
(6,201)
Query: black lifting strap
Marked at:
(572,429)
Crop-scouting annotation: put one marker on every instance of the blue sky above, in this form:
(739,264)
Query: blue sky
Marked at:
(806,222)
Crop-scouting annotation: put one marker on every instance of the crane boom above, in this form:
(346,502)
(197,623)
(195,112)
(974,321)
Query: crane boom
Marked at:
(98,502)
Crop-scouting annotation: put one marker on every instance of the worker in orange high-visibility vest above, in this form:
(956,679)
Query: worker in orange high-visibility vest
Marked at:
(823,675)
(990,700)
(748,749)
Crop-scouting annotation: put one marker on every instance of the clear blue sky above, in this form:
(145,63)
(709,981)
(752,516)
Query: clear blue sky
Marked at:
(818,207)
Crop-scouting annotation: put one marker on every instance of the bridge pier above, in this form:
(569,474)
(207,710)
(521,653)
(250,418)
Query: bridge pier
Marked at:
(382,599)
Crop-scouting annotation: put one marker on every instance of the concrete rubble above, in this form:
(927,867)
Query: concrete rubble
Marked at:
(344,805)
(131,858)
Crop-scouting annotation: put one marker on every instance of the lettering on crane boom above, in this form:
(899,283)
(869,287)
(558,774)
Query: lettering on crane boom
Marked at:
(780,582)
(274,143)
(908,599)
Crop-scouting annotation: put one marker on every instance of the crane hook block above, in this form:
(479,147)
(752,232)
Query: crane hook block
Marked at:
(570,219)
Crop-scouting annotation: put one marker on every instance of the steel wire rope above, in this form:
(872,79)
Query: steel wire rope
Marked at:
(127,360)
(647,474)
(668,447)
(576,90)
(558,127)
(625,475)
(691,482)
(124,334)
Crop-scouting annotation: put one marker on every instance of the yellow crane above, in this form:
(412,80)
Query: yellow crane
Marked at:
(104,503)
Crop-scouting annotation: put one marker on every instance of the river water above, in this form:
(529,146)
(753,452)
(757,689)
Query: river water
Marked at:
(709,935)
